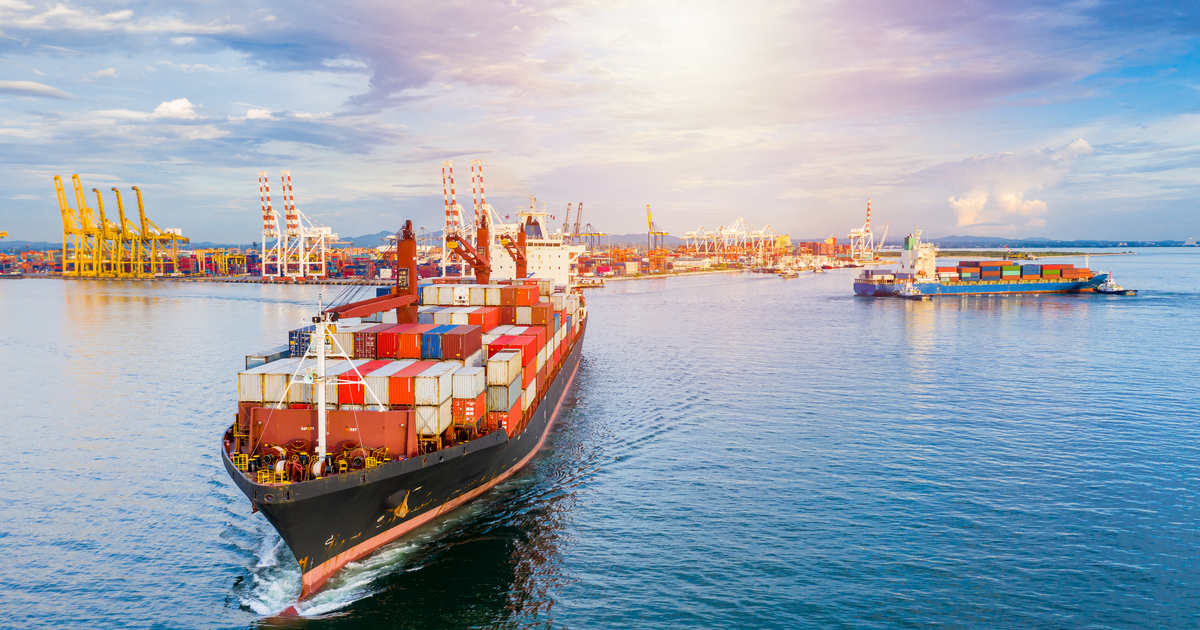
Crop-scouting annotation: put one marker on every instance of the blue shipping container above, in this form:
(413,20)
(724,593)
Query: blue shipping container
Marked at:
(431,341)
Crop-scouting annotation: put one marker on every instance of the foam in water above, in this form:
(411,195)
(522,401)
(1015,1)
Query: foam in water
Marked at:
(276,576)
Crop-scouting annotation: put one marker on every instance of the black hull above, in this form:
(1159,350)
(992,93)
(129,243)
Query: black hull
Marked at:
(330,522)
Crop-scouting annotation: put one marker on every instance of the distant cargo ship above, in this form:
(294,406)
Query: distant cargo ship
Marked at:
(920,275)
(361,431)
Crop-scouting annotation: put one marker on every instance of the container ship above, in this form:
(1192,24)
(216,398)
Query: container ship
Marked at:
(362,429)
(920,276)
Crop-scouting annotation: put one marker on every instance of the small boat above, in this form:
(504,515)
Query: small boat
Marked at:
(789,273)
(1110,287)
(11,275)
(910,292)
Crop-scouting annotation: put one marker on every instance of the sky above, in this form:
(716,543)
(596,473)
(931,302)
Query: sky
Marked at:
(1005,118)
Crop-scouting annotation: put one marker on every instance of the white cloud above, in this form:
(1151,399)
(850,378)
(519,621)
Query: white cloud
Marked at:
(29,88)
(259,114)
(183,40)
(107,72)
(39,72)
(26,197)
(993,191)
(191,67)
(178,108)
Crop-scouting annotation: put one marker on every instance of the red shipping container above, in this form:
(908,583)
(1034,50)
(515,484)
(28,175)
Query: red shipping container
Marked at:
(401,385)
(528,373)
(486,317)
(352,393)
(525,295)
(497,345)
(469,410)
(508,316)
(506,420)
(527,345)
(1031,277)
(387,341)
(542,374)
(410,340)
(461,342)
(365,341)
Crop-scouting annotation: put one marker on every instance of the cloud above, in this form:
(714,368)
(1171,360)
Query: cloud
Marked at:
(178,108)
(26,197)
(259,114)
(191,67)
(993,190)
(181,41)
(29,88)
(107,72)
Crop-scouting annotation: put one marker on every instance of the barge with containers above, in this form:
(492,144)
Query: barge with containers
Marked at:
(389,412)
(919,275)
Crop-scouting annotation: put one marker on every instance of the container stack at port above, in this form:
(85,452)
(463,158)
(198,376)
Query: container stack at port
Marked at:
(478,359)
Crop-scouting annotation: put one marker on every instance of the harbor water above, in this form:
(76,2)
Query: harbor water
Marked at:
(739,450)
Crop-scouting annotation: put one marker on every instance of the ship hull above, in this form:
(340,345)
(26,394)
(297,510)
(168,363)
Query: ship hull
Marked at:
(330,522)
(892,288)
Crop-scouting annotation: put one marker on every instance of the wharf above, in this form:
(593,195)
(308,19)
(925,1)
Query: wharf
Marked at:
(235,279)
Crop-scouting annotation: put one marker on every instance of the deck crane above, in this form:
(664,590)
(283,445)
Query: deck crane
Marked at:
(478,255)
(516,250)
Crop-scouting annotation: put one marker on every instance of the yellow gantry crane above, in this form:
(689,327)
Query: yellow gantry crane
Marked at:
(96,247)
(656,244)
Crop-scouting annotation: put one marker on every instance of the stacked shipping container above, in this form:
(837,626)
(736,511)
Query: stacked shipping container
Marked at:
(463,366)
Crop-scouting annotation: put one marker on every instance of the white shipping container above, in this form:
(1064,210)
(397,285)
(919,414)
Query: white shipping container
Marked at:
(462,315)
(487,340)
(442,317)
(478,295)
(351,407)
(434,419)
(462,295)
(433,386)
(390,317)
(541,358)
(475,360)
(558,301)
(469,382)
(503,397)
(524,315)
(529,396)
(429,295)
(491,296)
(501,330)
(251,383)
(445,295)
(504,367)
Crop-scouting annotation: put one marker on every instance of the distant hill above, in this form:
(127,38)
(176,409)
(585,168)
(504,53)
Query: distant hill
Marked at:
(637,239)
(1040,241)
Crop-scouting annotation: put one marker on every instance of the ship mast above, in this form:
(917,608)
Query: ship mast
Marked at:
(319,381)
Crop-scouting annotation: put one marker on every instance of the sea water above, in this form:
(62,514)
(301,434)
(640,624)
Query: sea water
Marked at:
(738,450)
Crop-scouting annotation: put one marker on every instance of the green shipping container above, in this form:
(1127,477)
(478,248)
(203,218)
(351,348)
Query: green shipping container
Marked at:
(1051,272)
(1011,268)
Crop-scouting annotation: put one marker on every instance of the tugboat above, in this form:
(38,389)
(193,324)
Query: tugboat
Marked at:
(1110,287)
(789,272)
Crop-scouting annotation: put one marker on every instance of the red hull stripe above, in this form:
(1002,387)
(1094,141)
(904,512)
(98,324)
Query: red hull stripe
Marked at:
(314,579)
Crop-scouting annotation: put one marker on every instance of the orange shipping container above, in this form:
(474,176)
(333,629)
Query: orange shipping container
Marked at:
(486,317)
(469,411)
